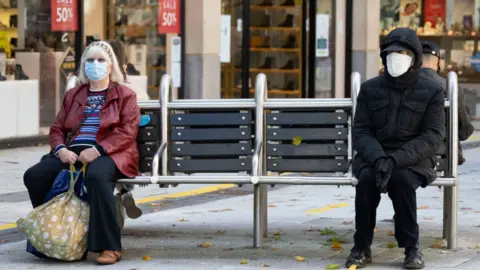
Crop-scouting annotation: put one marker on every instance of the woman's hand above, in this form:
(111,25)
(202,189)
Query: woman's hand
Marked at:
(88,155)
(67,156)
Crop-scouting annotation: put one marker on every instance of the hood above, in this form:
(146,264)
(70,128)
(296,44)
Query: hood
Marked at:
(405,37)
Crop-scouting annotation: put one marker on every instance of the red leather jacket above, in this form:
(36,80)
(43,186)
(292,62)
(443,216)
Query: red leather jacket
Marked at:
(119,120)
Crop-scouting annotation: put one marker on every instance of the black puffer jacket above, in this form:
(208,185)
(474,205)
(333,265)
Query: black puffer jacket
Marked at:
(465,128)
(400,117)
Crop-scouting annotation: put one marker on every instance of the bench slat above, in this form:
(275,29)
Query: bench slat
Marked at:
(212,149)
(307,165)
(211,134)
(147,150)
(210,165)
(307,150)
(307,118)
(145,165)
(211,119)
(307,133)
(148,134)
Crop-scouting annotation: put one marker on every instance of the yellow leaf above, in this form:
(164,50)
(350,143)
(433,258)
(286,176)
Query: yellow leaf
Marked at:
(297,140)
(221,210)
(181,220)
(391,245)
(272,206)
(423,207)
(266,265)
(299,258)
(146,258)
(155,204)
(437,244)
(333,266)
(243,261)
(336,245)
(353,267)
(391,233)
(205,244)
(278,233)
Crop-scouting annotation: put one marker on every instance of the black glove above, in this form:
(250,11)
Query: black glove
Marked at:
(383,174)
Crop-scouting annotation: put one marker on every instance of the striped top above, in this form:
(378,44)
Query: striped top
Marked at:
(91,120)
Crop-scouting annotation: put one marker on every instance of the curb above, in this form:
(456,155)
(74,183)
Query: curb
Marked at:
(470,145)
(19,142)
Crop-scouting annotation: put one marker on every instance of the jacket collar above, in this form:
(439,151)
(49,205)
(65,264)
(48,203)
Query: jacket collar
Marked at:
(82,93)
(429,72)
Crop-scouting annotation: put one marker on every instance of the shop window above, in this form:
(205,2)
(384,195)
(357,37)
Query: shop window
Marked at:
(135,23)
(452,24)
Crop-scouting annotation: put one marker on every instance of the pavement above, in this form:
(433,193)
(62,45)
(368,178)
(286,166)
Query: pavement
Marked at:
(210,226)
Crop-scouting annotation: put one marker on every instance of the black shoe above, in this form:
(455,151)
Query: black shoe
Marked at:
(288,21)
(288,3)
(268,64)
(289,65)
(19,74)
(2,78)
(359,257)
(413,258)
(123,21)
(13,21)
(290,44)
(131,70)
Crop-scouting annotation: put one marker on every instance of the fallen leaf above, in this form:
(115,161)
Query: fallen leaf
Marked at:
(205,244)
(299,258)
(243,261)
(278,233)
(266,265)
(327,231)
(272,206)
(353,267)
(391,233)
(333,266)
(273,249)
(3,241)
(423,207)
(437,244)
(221,210)
(219,233)
(297,140)
(146,258)
(181,220)
(391,245)
(228,249)
(337,246)
(347,222)
(339,240)
(155,204)
(465,209)
(428,218)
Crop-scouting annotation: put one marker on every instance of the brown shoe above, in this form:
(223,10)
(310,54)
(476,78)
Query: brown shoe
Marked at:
(109,257)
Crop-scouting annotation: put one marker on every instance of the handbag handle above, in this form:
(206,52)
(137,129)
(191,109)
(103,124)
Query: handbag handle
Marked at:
(74,179)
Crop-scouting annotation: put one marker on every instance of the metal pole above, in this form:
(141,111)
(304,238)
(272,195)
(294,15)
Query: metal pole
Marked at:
(259,195)
(446,208)
(165,98)
(453,221)
(245,93)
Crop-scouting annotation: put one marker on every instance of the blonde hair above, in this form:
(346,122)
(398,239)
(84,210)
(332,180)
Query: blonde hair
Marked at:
(103,49)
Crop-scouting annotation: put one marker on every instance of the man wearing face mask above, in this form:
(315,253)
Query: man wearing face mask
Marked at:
(430,69)
(398,126)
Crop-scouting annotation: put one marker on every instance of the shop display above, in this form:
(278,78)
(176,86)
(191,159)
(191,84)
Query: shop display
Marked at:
(455,30)
(135,23)
(275,48)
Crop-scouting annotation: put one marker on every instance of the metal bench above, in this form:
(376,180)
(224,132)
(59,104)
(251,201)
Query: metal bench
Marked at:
(254,141)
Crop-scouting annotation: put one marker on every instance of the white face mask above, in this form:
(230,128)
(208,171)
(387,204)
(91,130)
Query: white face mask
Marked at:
(398,64)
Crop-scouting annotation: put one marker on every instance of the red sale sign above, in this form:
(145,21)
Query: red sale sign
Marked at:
(168,16)
(64,15)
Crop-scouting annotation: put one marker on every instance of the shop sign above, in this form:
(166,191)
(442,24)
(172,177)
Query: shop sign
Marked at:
(435,11)
(168,16)
(321,38)
(225,37)
(64,15)
(67,65)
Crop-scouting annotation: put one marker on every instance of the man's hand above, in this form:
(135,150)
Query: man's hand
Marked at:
(383,173)
(67,156)
(88,155)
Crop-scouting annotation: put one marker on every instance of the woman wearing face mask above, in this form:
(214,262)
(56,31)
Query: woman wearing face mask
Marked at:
(97,125)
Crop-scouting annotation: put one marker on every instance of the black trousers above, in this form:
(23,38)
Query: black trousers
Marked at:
(100,178)
(402,191)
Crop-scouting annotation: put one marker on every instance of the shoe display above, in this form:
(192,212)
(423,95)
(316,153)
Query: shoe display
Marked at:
(288,21)
(413,258)
(290,86)
(13,21)
(289,65)
(19,74)
(265,22)
(288,3)
(291,43)
(2,78)
(268,64)
(122,21)
(131,70)
(359,256)
(266,3)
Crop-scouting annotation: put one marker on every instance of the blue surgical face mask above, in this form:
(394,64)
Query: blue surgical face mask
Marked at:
(96,70)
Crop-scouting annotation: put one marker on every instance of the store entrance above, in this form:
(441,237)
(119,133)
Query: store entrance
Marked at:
(275,37)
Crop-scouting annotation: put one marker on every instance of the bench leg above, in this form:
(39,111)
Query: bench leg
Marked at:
(453,218)
(446,201)
(264,209)
(257,217)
